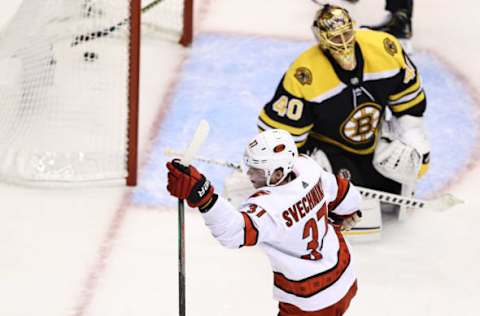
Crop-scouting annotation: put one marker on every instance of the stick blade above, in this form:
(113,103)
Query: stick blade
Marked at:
(444,202)
(198,139)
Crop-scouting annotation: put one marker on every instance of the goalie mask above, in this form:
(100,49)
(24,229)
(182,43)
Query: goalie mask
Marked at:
(269,151)
(333,29)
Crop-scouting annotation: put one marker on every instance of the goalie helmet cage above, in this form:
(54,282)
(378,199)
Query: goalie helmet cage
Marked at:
(69,87)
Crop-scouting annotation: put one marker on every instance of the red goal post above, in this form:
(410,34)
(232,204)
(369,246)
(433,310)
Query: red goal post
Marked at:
(70,87)
(187,31)
(185,39)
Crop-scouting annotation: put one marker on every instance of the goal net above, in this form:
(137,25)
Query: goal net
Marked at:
(69,88)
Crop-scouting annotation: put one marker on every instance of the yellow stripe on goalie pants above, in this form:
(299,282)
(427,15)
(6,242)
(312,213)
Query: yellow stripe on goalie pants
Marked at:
(364,235)
(362,231)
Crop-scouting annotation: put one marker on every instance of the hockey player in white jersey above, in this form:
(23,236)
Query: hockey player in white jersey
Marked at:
(295,215)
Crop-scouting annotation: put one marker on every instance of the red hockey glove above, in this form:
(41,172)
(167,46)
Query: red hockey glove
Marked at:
(187,183)
(345,222)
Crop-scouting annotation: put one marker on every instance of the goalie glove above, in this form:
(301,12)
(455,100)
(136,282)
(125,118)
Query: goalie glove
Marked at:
(402,153)
(186,183)
(397,161)
(345,222)
(413,134)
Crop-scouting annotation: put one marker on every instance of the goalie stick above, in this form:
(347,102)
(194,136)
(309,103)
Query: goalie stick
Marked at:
(440,203)
(190,152)
(82,38)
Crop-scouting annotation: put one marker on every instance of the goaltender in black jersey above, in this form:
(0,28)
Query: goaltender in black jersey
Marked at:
(318,98)
(334,100)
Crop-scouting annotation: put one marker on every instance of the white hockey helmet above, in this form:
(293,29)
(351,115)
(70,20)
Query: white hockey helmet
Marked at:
(271,150)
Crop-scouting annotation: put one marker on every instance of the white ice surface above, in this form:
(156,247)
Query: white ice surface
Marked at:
(88,252)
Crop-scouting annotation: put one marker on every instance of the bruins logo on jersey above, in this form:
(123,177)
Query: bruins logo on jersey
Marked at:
(303,75)
(361,124)
(390,46)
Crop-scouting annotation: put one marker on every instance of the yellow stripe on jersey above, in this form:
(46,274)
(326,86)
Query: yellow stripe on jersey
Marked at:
(296,131)
(409,90)
(405,106)
(328,140)
(297,143)
(300,144)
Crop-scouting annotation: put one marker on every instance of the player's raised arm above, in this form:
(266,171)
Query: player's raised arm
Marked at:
(231,227)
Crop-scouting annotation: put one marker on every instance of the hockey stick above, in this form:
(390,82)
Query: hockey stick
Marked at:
(440,203)
(171,153)
(111,29)
(198,138)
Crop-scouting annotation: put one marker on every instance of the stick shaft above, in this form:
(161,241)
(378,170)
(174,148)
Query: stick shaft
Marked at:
(181,258)
(197,140)
(391,198)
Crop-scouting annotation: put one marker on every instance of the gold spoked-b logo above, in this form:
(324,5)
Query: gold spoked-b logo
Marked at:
(361,124)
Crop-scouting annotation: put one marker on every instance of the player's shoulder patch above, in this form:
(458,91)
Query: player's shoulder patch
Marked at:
(382,52)
(390,46)
(378,39)
(303,75)
(302,78)
(301,68)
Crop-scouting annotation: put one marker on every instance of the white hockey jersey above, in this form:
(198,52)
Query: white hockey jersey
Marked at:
(311,261)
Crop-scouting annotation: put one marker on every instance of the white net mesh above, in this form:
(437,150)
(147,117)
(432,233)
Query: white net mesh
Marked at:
(64,90)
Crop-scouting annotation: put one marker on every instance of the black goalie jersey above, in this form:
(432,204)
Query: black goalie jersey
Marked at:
(318,100)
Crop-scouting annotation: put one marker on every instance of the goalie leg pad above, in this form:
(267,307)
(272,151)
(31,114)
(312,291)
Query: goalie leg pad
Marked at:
(408,191)
(370,227)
